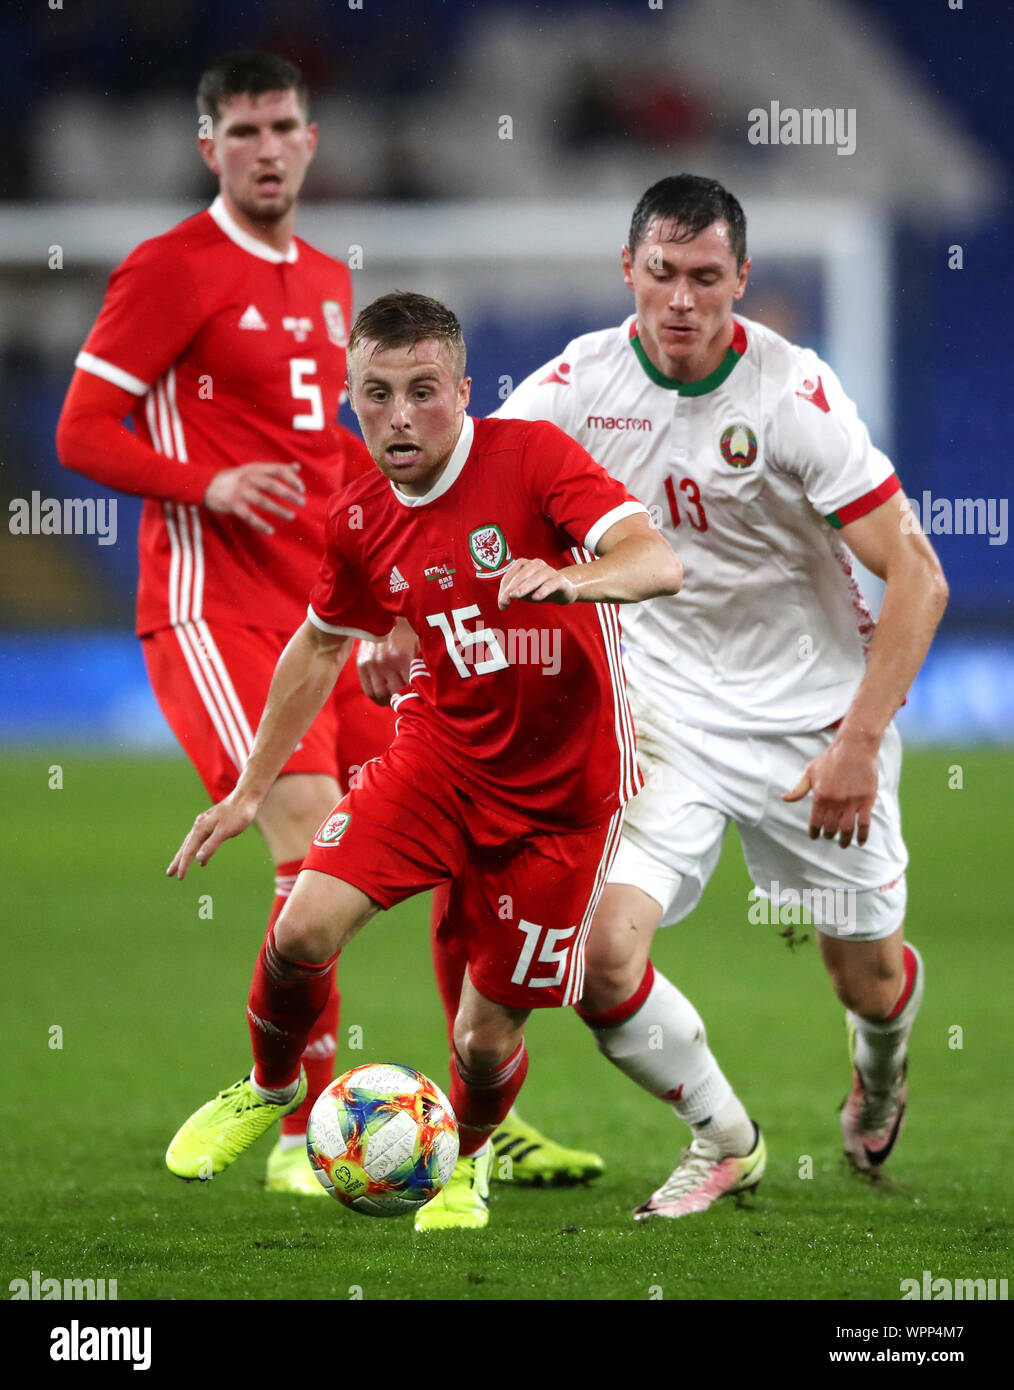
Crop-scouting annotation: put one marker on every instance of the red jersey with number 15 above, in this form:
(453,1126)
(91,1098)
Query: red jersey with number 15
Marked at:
(236,354)
(526,708)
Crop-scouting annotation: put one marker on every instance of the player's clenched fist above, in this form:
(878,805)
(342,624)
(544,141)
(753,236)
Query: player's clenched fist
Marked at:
(267,486)
(384,666)
(211,827)
(536,581)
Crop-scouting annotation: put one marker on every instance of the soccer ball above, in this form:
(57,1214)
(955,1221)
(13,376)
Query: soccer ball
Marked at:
(382,1139)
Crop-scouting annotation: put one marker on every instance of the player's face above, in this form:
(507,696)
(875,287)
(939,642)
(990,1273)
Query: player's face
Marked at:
(260,149)
(684,292)
(410,406)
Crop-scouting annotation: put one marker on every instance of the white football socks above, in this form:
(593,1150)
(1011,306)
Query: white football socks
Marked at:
(281,1096)
(664,1048)
(880,1048)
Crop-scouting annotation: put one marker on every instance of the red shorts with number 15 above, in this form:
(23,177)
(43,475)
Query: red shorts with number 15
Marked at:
(524,898)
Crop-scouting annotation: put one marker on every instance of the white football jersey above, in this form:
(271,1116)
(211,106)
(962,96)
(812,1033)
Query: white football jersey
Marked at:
(750,474)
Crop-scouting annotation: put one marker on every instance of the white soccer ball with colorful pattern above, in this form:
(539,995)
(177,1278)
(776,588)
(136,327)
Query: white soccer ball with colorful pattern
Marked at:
(382,1139)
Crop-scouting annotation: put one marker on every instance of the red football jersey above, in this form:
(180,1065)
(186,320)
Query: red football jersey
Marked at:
(236,354)
(527,707)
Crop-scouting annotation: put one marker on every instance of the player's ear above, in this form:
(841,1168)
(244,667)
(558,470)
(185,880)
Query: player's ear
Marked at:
(744,275)
(312,136)
(206,145)
(627,267)
(465,392)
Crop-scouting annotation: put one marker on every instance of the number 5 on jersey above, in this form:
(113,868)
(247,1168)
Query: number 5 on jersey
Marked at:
(302,390)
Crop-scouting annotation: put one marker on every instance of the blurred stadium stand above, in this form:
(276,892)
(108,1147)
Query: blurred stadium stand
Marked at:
(521,236)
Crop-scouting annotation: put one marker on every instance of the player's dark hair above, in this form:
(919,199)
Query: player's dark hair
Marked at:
(247,73)
(691,204)
(402,319)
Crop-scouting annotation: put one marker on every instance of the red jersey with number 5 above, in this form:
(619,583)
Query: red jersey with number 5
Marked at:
(236,354)
(526,708)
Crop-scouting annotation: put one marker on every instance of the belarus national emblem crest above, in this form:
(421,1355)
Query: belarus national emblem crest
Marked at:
(738,445)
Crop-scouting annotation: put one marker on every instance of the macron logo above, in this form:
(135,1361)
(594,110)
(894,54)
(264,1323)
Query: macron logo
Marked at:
(814,393)
(617,422)
(398,581)
(560,375)
(252,318)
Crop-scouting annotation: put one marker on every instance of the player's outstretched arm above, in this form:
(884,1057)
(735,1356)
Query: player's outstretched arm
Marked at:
(636,563)
(843,779)
(303,679)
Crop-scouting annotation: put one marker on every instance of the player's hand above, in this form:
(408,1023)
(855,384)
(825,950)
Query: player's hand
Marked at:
(211,827)
(383,666)
(537,582)
(843,780)
(266,486)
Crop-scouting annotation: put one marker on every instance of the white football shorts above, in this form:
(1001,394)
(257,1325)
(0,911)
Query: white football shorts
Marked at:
(697,781)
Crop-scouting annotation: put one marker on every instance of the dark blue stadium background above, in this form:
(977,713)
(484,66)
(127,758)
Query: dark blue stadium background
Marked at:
(951,345)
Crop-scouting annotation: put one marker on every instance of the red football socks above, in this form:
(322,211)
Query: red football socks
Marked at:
(448,963)
(481,1100)
(318,1058)
(286,999)
(911,967)
(285,880)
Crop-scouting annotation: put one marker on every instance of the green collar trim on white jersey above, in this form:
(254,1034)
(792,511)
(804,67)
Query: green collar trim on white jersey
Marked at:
(706,384)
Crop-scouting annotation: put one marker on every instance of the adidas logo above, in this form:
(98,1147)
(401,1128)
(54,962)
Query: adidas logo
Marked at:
(398,581)
(251,318)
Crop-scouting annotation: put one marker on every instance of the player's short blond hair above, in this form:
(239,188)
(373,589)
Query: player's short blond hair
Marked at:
(403,319)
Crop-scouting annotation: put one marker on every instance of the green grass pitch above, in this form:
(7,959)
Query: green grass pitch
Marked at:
(147,995)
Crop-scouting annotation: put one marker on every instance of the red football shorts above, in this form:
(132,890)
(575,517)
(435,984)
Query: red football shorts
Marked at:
(211,681)
(523,899)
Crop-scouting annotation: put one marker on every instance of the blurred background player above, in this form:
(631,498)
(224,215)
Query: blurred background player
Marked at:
(764,682)
(505,782)
(224,340)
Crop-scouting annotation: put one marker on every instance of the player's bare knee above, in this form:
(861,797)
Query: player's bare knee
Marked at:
(611,975)
(483,1050)
(301,936)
